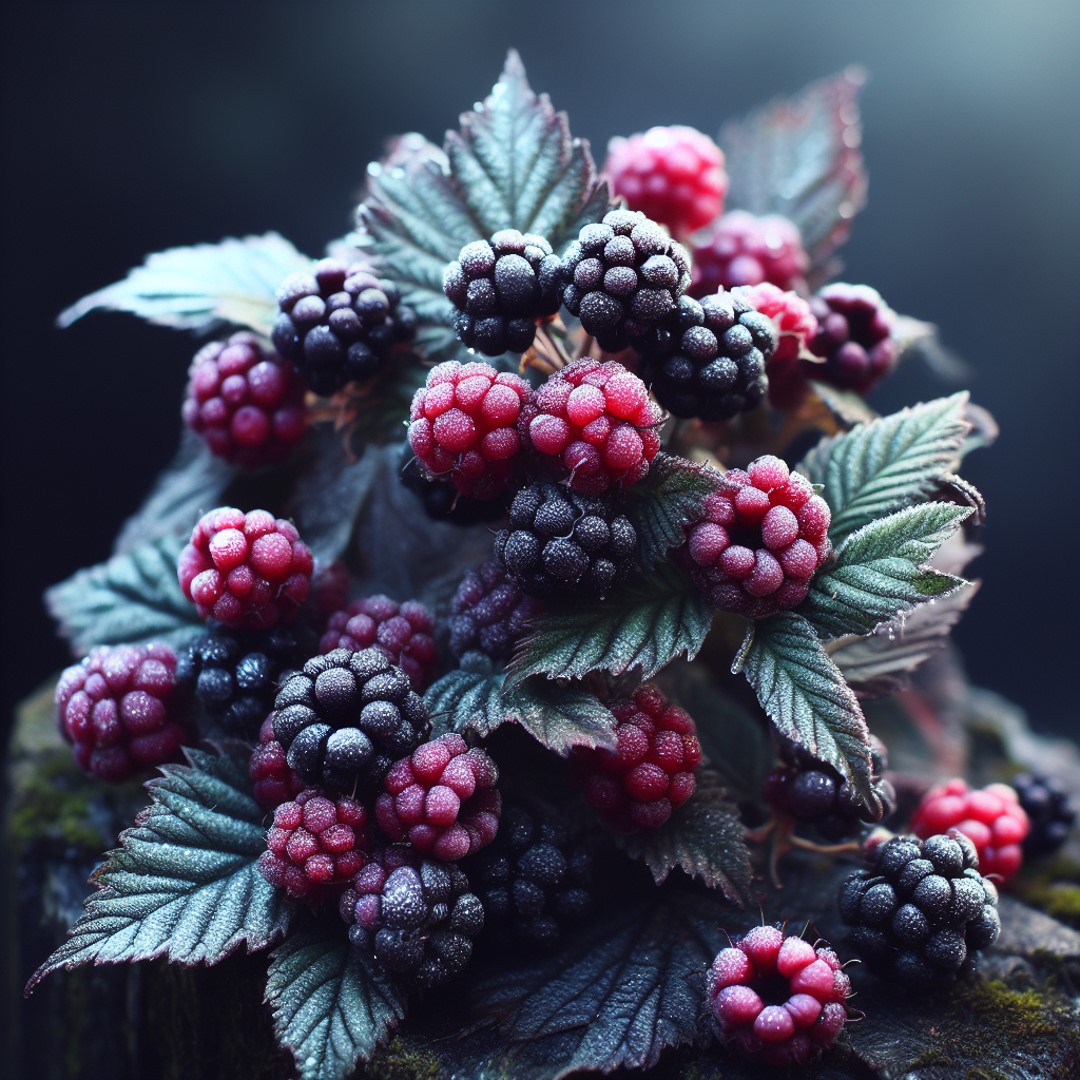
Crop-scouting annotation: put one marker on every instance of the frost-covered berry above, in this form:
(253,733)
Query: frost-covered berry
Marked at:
(593,423)
(854,337)
(443,502)
(1050,809)
(250,571)
(247,404)
(760,539)
(464,427)
(674,175)
(119,708)
(743,249)
(442,799)
(404,632)
(650,772)
(777,1000)
(273,781)
(991,818)
(489,612)
(315,843)
(500,287)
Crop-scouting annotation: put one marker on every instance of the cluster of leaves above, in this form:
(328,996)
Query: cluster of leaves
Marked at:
(183,882)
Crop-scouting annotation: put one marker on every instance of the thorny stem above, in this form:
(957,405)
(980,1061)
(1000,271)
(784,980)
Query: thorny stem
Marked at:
(780,832)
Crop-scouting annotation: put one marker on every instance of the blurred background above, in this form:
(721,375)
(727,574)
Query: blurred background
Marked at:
(130,128)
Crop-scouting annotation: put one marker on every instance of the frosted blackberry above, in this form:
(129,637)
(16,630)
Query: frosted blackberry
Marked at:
(500,287)
(235,675)
(854,337)
(339,324)
(346,717)
(417,917)
(921,911)
(533,881)
(489,613)
(708,359)
(558,541)
(623,275)
(744,249)
(1050,809)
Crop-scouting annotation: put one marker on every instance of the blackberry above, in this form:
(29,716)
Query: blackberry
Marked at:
(235,675)
(744,249)
(1050,810)
(559,541)
(854,337)
(500,287)
(339,324)
(417,917)
(489,613)
(622,276)
(346,717)
(533,881)
(441,502)
(921,911)
(708,359)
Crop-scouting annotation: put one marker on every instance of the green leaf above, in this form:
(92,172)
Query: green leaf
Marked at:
(889,463)
(196,288)
(705,838)
(134,597)
(332,1009)
(643,628)
(184,882)
(806,698)
(881,571)
(666,500)
(800,157)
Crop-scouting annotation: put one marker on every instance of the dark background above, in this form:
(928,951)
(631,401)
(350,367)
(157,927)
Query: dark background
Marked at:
(129,128)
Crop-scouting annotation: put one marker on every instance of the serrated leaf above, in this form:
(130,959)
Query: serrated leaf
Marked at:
(469,698)
(800,157)
(666,500)
(184,882)
(332,1008)
(806,698)
(196,288)
(134,597)
(881,662)
(883,570)
(888,463)
(705,838)
(643,628)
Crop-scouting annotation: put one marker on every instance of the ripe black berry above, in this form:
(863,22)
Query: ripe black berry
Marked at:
(489,613)
(1050,810)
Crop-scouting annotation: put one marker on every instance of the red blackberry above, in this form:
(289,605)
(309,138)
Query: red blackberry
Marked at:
(991,818)
(760,540)
(272,780)
(339,323)
(1050,810)
(650,772)
(489,613)
(854,337)
(442,799)
(742,249)
(534,881)
(464,427)
(249,571)
(416,916)
(119,708)
(709,359)
(559,542)
(674,175)
(315,843)
(594,423)
(346,717)
(246,403)
(501,287)
(442,502)
(404,632)
(777,1000)
(623,275)
(921,910)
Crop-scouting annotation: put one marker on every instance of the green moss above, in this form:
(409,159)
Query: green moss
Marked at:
(51,804)
(398,1062)
(1052,886)
(1014,1016)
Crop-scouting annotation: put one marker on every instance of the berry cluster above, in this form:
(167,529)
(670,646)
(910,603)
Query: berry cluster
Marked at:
(760,540)
(1050,810)
(777,1000)
(742,249)
(489,613)
(921,910)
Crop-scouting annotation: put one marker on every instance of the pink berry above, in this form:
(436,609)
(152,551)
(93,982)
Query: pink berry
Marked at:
(742,249)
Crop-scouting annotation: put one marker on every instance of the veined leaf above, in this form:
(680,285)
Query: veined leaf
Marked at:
(184,882)
(332,1008)
(806,698)
(888,463)
(882,570)
(195,288)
